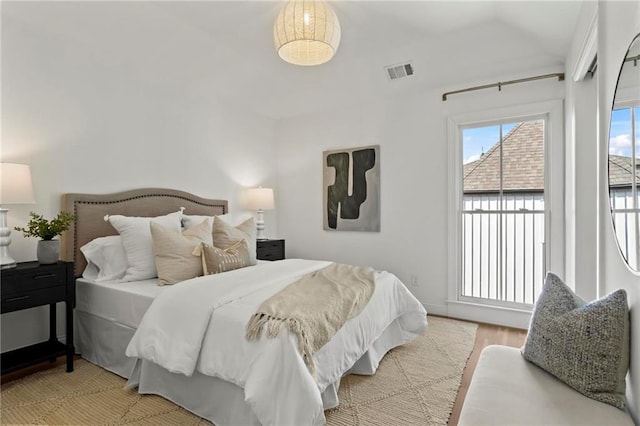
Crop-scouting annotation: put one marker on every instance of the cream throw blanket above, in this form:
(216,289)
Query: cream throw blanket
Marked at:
(315,307)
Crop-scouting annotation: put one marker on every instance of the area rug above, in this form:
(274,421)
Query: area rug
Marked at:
(416,384)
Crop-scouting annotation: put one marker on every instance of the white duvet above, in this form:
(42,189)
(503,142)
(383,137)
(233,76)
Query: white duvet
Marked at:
(200,325)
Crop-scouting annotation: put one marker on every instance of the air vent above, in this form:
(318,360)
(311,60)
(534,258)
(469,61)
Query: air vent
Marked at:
(395,72)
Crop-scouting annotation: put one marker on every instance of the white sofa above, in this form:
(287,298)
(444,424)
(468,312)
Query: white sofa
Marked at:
(508,390)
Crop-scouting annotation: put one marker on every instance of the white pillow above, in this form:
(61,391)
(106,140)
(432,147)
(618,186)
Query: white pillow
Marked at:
(106,259)
(233,219)
(138,244)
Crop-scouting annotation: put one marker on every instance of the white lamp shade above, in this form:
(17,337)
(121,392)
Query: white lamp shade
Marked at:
(260,199)
(15,184)
(306,32)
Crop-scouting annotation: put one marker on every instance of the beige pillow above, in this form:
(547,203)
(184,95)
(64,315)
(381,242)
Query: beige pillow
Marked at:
(215,260)
(173,249)
(225,235)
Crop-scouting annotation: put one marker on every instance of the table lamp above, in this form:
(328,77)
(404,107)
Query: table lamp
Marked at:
(15,188)
(260,199)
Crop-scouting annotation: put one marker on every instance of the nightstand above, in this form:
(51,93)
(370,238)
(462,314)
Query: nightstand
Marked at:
(29,285)
(270,249)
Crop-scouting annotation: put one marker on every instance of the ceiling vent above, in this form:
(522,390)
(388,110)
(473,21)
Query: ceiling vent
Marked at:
(395,72)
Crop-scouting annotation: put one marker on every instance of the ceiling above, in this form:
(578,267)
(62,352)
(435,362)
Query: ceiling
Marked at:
(224,50)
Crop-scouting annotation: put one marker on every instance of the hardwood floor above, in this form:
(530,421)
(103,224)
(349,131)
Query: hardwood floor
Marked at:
(18,374)
(488,334)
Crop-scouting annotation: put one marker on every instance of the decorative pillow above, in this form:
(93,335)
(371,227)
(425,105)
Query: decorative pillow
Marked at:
(216,260)
(225,235)
(106,259)
(189,221)
(137,243)
(173,249)
(230,218)
(585,345)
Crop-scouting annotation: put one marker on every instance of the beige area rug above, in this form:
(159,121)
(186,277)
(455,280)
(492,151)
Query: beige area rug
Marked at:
(416,384)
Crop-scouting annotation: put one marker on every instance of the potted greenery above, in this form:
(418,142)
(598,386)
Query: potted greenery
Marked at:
(48,248)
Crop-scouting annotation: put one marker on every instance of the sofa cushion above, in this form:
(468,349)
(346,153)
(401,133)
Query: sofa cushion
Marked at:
(586,345)
(508,390)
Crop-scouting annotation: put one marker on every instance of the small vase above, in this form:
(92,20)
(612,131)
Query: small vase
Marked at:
(48,251)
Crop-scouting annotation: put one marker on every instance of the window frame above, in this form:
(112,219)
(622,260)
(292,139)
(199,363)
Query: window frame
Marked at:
(552,112)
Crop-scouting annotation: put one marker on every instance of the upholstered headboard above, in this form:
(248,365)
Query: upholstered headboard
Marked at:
(90,210)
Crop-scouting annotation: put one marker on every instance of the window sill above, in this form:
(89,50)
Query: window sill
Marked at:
(499,315)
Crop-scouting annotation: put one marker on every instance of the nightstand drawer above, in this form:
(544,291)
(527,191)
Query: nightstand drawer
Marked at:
(39,278)
(270,249)
(271,245)
(275,254)
(30,299)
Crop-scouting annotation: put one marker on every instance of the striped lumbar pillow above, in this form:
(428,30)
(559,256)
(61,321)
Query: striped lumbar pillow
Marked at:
(216,260)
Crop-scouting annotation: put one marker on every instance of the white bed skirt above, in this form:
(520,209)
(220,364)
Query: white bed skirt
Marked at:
(103,342)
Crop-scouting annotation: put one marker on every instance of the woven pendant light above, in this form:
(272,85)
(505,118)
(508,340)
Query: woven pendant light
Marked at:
(306,32)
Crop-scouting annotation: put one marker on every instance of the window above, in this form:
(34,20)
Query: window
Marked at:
(503,211)
(506,186)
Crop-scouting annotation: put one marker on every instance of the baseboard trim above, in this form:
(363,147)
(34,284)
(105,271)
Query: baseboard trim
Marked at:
(440,310)
(497,315)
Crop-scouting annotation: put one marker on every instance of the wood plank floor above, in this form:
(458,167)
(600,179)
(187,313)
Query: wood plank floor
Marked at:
(18,374)
(487,334)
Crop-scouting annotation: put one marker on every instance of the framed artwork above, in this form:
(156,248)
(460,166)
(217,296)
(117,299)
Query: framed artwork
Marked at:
(351,189)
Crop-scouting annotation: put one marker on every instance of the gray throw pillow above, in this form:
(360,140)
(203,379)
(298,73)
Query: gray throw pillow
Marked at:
(585,345)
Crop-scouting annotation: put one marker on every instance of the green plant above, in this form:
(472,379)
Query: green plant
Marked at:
(42,228)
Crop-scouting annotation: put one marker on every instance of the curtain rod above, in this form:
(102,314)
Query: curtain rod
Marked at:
(558,75)
(634,59)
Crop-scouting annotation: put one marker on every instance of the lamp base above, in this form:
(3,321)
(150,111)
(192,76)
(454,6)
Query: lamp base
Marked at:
(6,261)
(260,226)
(11,264)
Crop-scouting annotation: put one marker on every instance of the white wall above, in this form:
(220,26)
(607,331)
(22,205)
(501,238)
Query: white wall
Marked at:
(412,134)
(619,23)
(86,124)
(581,162)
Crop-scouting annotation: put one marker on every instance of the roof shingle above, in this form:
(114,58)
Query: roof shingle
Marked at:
(620,171)
(522,162)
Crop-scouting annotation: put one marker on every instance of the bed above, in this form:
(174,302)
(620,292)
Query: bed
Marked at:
(275,387)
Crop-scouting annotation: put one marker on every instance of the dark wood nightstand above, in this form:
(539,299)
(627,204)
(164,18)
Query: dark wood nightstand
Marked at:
(29,285)
(270,249)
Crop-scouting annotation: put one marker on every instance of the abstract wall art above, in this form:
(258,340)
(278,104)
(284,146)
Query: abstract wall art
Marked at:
(351,185)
